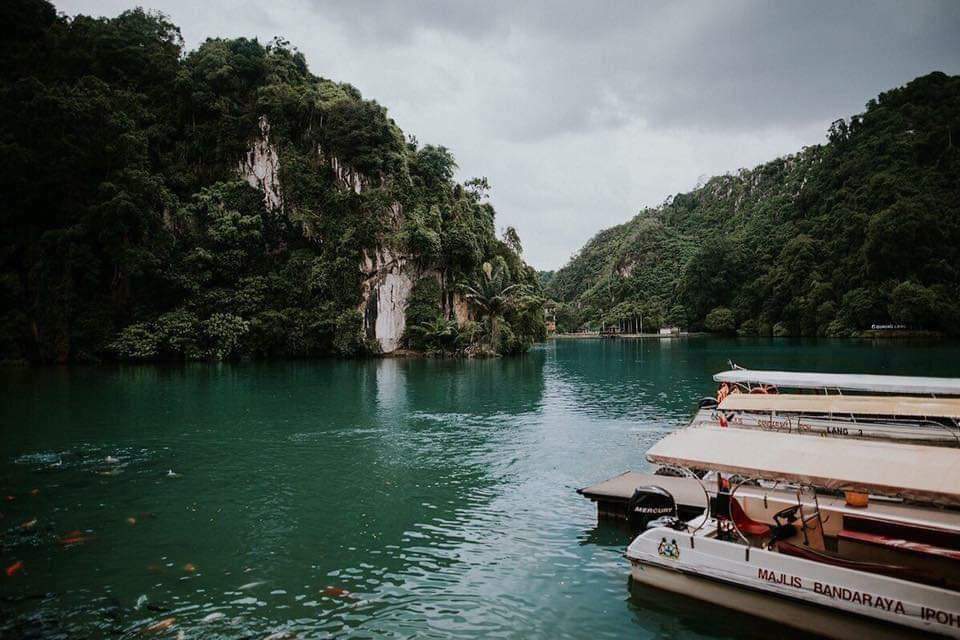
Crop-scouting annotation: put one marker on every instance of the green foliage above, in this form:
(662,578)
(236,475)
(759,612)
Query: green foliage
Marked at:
(424,305)
(222,333)
(348,340)
(720,320)
(437,336)
(810,244)
(130,233)
(510,307)
(747,328)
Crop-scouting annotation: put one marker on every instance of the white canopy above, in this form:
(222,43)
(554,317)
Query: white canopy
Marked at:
(844,381)
(927,474)
(902,406)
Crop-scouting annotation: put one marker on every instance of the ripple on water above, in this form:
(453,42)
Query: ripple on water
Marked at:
(367,499)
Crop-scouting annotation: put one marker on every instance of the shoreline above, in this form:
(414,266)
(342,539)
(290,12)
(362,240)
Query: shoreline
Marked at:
(869,334)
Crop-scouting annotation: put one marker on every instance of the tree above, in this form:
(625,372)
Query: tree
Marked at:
(721,320)
(913,305)
(438,334)
(512,239)
(493,294)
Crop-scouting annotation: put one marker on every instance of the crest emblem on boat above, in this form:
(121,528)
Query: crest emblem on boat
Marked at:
(669,549)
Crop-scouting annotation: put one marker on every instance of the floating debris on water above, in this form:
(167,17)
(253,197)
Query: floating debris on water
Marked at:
(190,567)
(142,600)
(161,625)
(29,524)
(336,592)
(14,568)
(35,492)
(131,520)
(172,474)
(251,585)
(72,538)
(213,617)
(111,460)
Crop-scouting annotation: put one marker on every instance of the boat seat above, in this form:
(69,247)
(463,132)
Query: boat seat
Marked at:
(745,523)
(899,544)
(928,535)
(890,570)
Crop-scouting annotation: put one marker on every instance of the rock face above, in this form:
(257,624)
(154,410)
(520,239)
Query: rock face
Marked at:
(261,166)
(388,281)
(346,176)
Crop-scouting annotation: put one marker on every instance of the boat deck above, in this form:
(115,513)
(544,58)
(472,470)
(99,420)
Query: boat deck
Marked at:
(613,495)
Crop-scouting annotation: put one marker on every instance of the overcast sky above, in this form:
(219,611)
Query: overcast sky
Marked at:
(582,113)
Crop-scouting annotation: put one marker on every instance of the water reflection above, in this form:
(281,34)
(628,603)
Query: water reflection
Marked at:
(370,498)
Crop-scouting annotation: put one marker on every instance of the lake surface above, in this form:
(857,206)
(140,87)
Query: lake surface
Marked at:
(383,498)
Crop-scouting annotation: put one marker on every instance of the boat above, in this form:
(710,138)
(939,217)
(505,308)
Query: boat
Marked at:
(840,538)
(764,381)
(933,421)
(924,410)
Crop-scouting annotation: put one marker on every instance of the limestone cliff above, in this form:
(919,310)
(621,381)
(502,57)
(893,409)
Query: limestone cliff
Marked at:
(388,276)
(260,167)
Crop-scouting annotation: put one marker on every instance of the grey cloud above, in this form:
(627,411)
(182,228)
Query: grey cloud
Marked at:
(738,64)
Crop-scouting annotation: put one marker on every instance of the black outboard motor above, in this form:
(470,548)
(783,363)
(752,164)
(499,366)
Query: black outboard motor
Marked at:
(648,504)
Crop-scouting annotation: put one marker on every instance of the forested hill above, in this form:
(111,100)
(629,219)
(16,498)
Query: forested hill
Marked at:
(860,231)
(225,202)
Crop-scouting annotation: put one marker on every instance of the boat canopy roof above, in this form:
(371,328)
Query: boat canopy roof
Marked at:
(846,381)
(925,474)
(903,406)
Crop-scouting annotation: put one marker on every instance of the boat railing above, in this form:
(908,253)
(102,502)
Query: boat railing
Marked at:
(684,471)
(920,422)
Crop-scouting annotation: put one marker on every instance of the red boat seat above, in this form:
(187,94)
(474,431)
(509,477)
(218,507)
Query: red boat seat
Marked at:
(745,523)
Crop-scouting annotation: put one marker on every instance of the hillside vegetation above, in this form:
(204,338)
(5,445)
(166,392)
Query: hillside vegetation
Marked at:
(225,202)
(839,237)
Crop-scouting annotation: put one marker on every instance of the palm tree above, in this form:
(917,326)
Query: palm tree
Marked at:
(438,334)
(493,295)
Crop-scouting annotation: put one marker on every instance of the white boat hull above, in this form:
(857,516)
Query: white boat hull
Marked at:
(812,619)
(772,585)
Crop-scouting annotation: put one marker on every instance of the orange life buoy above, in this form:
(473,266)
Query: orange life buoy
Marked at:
(722,392)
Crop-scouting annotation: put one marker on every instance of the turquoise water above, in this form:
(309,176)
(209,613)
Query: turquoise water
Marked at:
(387,498)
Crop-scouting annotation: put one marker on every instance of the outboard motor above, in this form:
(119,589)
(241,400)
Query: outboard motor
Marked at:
(648,504)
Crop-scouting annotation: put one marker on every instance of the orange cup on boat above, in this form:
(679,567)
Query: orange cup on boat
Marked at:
(856,499)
